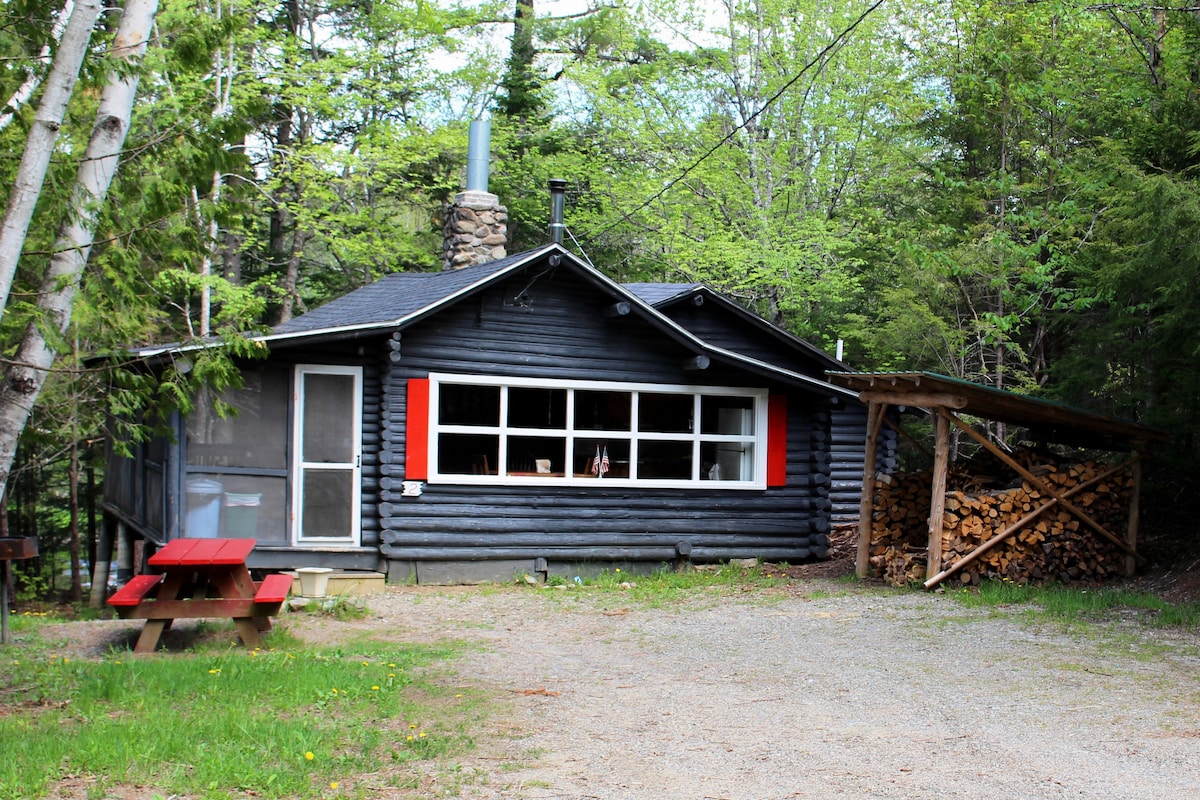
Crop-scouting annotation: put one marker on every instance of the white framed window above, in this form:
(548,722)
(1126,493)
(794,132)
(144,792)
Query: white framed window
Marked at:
(485,429)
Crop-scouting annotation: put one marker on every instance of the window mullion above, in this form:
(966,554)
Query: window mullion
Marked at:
(502,445)
(634,434)
(569,444)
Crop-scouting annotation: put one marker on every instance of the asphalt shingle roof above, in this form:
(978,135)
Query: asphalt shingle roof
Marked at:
(393,297)
(655,293)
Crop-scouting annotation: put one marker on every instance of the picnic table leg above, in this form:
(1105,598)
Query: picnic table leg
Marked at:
(151,633)
(238,583)
(153,629)
(248,631)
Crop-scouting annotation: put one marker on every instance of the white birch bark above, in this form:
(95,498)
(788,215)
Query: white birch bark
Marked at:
(27,372)
(25,91)
(39,145)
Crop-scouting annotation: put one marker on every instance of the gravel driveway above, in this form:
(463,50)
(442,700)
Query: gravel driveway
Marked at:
(820,690)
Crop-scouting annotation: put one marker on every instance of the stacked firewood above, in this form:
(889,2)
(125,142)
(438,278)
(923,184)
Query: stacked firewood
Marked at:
(1055,545)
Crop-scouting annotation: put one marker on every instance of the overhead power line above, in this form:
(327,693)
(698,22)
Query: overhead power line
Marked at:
(818,58)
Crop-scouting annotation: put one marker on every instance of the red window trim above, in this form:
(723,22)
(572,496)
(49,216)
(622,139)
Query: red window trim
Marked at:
(416,438)
(776,440)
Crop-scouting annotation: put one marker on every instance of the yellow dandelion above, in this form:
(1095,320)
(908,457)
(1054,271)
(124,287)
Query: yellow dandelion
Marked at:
(212,672)
(333,785)
(391,674)
(309,756)
(458,695)
(391,666)
(618,569)
(412,727)
(375,688)
(335,691)
(366,663)
(410,738)
(421,734)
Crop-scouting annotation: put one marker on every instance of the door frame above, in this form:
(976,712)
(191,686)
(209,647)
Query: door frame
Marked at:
(299,466)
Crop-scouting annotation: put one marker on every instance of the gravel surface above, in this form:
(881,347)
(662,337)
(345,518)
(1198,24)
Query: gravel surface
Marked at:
(817,690)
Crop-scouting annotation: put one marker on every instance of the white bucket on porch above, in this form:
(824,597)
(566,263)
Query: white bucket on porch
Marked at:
(314,581)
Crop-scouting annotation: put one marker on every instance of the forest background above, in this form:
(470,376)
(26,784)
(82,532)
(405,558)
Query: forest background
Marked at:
(1004,192)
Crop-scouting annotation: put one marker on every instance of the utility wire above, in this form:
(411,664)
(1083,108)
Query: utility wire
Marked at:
(835,43)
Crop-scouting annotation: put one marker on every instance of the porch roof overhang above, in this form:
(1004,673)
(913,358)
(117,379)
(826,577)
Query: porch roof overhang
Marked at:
(1052,421)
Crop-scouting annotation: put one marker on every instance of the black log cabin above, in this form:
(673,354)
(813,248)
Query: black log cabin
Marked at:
(523,415)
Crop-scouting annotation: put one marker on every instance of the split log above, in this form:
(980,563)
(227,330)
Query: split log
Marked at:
(1019,533)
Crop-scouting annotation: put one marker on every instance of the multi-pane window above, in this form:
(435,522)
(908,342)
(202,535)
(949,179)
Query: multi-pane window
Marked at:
(511,430)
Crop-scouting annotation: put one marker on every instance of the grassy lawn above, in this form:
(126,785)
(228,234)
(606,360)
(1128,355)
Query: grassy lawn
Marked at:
(291,721)
(1081,604)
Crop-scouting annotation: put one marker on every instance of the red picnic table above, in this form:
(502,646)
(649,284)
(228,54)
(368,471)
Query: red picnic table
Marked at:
(201,578)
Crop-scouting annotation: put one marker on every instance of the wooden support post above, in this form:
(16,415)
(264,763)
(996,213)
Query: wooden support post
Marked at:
(124,553)
(937,503)
(1131,531)
(100,569)
(862,563)
(5,580)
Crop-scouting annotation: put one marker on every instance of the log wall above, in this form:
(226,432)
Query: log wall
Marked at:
(555,328)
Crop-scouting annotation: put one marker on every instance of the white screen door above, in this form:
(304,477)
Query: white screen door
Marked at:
(328,448)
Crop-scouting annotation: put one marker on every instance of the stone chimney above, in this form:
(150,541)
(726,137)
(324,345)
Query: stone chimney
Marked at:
(476,229)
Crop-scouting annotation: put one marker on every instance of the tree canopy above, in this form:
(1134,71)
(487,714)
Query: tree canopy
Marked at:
(1001,192)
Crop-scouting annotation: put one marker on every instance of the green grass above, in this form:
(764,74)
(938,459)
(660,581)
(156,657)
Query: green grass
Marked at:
(1072,604)
(231,723)
(668,587)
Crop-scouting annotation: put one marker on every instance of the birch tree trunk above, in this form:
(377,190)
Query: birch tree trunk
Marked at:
(39,145)
(25,91)
(29,367)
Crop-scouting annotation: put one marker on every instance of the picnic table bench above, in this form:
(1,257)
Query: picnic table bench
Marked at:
(200,578)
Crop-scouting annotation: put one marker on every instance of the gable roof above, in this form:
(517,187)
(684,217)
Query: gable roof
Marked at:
(401,299)
(665,295)
(396,299)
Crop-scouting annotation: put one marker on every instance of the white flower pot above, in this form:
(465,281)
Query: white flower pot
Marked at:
(313,581)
